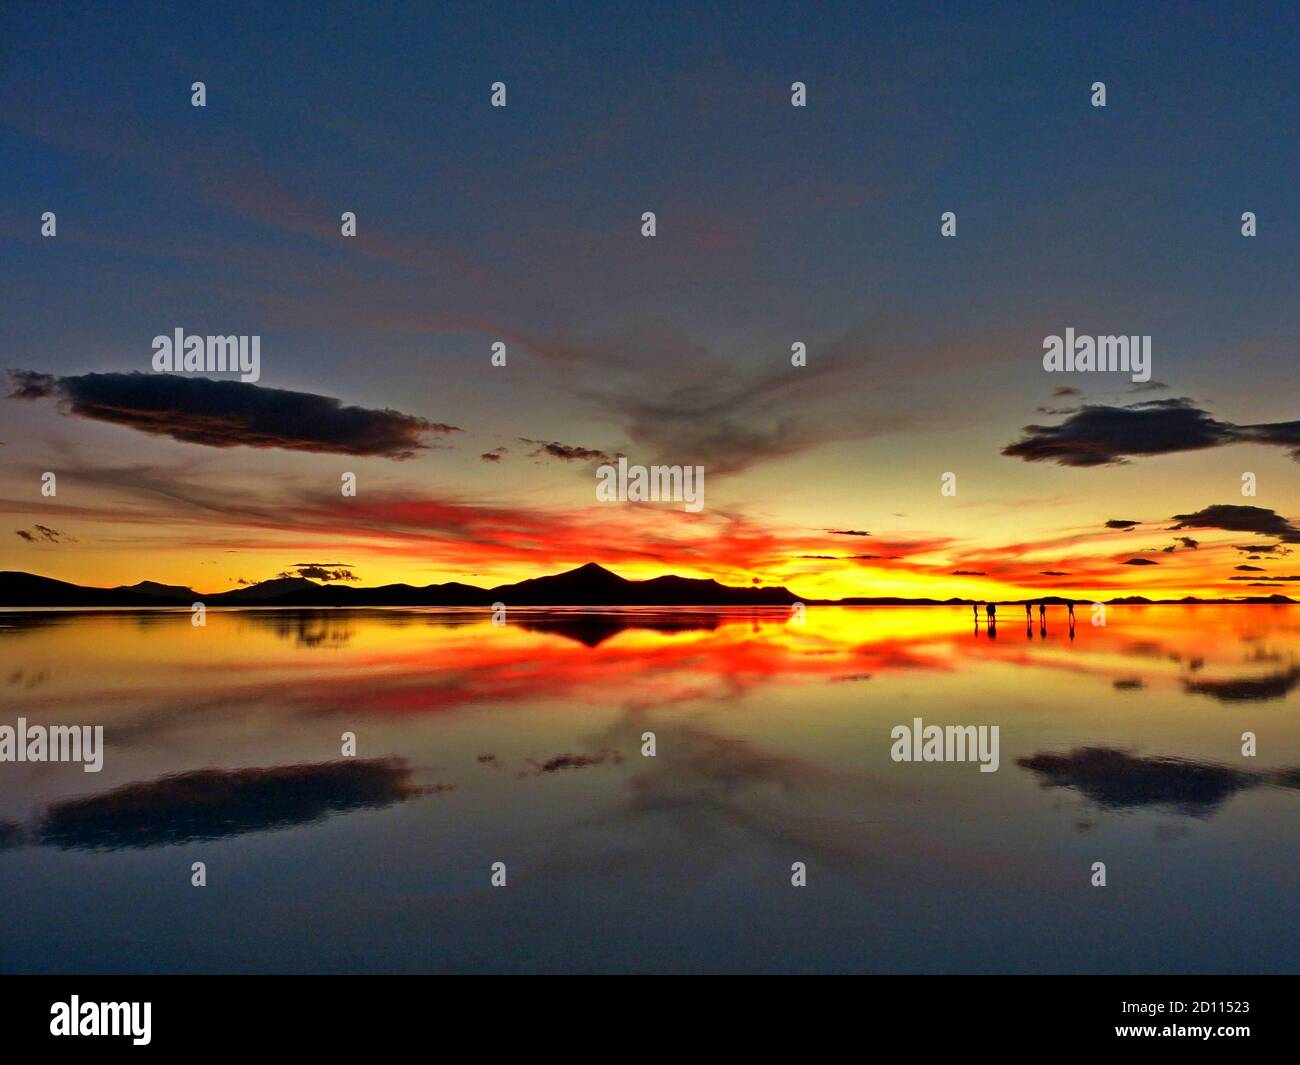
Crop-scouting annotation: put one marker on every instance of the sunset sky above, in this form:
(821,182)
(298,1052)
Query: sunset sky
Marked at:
(776,224)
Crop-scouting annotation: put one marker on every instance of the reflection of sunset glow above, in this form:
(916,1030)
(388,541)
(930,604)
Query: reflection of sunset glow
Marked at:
(421,661)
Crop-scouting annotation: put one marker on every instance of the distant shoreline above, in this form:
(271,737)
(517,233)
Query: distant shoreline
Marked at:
(590,586)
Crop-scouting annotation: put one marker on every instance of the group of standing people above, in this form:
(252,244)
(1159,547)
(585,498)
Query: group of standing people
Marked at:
(991,609)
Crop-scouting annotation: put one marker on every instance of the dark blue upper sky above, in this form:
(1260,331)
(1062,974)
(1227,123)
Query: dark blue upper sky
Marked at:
(824,213)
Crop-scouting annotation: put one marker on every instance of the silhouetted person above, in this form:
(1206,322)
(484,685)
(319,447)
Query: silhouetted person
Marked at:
(1070,608)
(975,610)
(1029,612)
(1042,611)
(992,610)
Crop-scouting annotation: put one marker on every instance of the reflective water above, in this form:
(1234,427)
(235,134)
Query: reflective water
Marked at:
(522,744)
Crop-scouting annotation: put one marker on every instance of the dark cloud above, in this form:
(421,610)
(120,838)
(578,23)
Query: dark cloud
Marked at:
(1121,523)
(1052,573)
(28,384)
(198,410)
(968,573)
(565,452)
(1140,562)
(1249,569)
(848,532)
(1067,390)
(322,571)
(1261,549)
(495,455)
(1281,434)
(1101,436)
(1272,580)
(1149,386)
(1188,542)
(849,558)
(217,803)
(1236,518)
(43,534)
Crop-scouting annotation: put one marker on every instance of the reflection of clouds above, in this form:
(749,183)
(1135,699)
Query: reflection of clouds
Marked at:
(707,795)
(1246,689)
(1117,780)
(217,803)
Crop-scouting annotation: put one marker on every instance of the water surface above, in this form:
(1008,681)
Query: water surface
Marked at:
(523,744)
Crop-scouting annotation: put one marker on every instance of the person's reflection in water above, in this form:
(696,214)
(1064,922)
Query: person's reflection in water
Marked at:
(992,609)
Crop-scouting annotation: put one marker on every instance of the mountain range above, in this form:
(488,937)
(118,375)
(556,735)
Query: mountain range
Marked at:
(589,585)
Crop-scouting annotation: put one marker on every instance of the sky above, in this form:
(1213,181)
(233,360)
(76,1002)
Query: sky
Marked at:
(775,225)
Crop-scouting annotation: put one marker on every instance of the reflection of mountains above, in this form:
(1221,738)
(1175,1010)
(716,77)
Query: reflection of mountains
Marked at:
(218,803)
(1117,780)
(592,628)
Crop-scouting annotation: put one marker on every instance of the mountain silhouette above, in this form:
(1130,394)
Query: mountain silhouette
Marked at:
(589,585)
(178,591)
